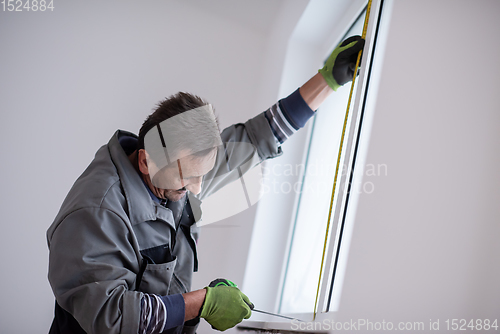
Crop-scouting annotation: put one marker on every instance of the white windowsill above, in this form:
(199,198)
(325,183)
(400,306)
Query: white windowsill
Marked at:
(280,327)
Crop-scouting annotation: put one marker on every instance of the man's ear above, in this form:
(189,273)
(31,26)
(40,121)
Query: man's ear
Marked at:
(142,161)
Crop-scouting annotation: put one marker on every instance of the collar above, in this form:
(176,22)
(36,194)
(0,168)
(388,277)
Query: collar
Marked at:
(153,196)
(141,205)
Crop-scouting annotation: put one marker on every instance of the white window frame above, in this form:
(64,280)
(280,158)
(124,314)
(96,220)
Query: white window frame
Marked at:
(353,144)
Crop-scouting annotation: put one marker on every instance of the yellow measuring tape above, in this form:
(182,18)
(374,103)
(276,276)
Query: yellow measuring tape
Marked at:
(365,28)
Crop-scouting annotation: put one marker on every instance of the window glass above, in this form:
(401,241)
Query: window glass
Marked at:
(306,247)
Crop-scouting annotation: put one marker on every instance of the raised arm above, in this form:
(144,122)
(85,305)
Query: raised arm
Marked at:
(315,91)
(338,70)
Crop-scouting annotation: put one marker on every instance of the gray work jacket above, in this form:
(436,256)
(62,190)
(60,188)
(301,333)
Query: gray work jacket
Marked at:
(108,220)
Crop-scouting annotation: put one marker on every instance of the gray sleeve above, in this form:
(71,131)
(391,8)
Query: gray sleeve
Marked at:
(258,132)
(245,146)
(92,271)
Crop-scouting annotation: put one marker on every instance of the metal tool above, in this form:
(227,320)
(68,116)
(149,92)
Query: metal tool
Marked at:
(226,282)
(273,314)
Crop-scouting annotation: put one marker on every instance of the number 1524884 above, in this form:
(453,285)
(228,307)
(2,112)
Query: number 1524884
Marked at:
(27,5)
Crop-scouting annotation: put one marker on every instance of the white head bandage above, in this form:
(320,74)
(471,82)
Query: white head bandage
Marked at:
(191,133)
(189,142)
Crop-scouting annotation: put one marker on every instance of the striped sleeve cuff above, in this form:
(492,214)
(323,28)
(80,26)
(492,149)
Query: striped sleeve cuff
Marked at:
(160,313)
(288,115)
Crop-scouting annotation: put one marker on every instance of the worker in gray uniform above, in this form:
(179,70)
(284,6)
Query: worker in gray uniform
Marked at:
(123,245)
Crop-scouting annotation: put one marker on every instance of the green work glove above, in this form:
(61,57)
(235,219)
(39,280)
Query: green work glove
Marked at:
(225,282)
(339,68)
(221,282)
(225,307)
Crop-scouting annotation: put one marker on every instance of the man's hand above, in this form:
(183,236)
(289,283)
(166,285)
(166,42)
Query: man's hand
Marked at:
(339,68)
(225,307)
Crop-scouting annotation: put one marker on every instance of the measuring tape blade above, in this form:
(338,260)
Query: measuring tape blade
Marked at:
(365,28)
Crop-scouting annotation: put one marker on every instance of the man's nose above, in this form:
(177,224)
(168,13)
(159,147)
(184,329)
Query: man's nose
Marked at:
(194,185)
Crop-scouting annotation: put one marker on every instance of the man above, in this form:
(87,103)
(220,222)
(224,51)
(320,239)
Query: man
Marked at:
(123,245)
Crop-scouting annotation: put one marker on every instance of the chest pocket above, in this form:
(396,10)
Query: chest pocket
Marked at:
(157,268)
(168,268)
(158,254)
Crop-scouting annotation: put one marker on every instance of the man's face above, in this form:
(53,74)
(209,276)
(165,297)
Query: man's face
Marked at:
(173,181)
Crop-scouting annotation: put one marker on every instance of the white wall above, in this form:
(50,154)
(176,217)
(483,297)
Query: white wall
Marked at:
(425,242)
(71,77)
